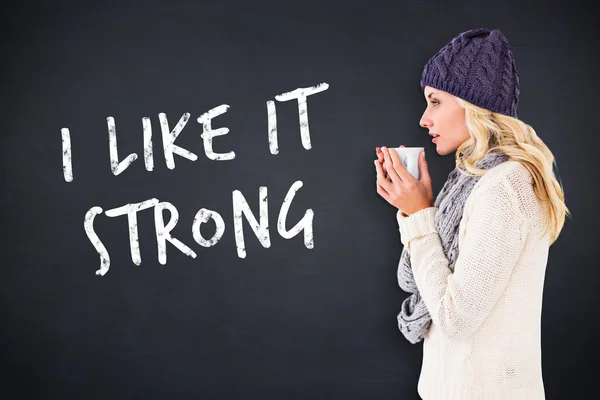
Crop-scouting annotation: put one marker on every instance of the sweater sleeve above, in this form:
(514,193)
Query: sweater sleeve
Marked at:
(460,301)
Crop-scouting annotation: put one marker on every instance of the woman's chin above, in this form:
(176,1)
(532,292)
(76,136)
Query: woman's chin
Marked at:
(442,151)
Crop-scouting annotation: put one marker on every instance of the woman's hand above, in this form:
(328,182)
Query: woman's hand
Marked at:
(403,191)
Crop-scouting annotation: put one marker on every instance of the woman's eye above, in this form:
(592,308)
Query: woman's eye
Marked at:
(435,102)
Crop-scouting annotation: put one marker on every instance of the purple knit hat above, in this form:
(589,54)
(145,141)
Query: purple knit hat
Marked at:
(478,66)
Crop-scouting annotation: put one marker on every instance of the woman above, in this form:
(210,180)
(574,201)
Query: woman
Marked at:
(475,259)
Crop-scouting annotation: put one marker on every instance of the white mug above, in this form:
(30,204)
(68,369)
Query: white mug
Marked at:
(409,156)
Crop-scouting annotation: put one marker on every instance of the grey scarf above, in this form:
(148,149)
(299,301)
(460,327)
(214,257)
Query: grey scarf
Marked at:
(414,318)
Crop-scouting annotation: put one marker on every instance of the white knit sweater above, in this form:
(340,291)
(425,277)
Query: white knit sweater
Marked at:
(485,337)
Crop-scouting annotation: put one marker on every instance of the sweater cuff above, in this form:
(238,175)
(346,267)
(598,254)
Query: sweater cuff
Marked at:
(417,224)
(402,227)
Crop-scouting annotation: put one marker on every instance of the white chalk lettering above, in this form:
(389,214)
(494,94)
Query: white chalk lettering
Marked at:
(148,154)
(272,127)
(163,232)
(241,208)
(202,217)
(88,225)
(116,166)
(260,227)
(66,154)
(208,133)
(240,205)
(169,139)
(301,94)
(305,223)
(131,211)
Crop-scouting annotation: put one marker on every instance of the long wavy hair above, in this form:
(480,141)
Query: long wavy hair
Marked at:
(491,131)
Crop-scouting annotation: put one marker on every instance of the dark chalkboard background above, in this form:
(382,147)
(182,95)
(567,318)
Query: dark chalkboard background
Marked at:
(285,321)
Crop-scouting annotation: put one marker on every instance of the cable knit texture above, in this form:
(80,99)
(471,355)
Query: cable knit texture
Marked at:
(414,318)
(484,341)
(478,66)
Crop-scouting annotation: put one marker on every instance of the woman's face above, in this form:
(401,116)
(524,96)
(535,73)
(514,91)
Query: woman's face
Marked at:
(446,118)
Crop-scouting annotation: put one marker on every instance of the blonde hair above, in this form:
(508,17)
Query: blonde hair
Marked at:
(517,140)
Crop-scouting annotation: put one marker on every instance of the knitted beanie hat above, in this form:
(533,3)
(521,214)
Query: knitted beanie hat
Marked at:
(477,66)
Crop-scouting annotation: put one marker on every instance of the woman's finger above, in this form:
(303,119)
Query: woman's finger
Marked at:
(382,163)
(389,166)
(381,159)
(381,191)
(379,169)
(380,182)
(381,178)
(379,154)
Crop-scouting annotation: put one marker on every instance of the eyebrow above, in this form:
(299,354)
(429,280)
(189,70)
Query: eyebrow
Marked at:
(430,94)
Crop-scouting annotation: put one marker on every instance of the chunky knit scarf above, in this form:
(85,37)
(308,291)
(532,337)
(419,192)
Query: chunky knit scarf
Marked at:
(414,318)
